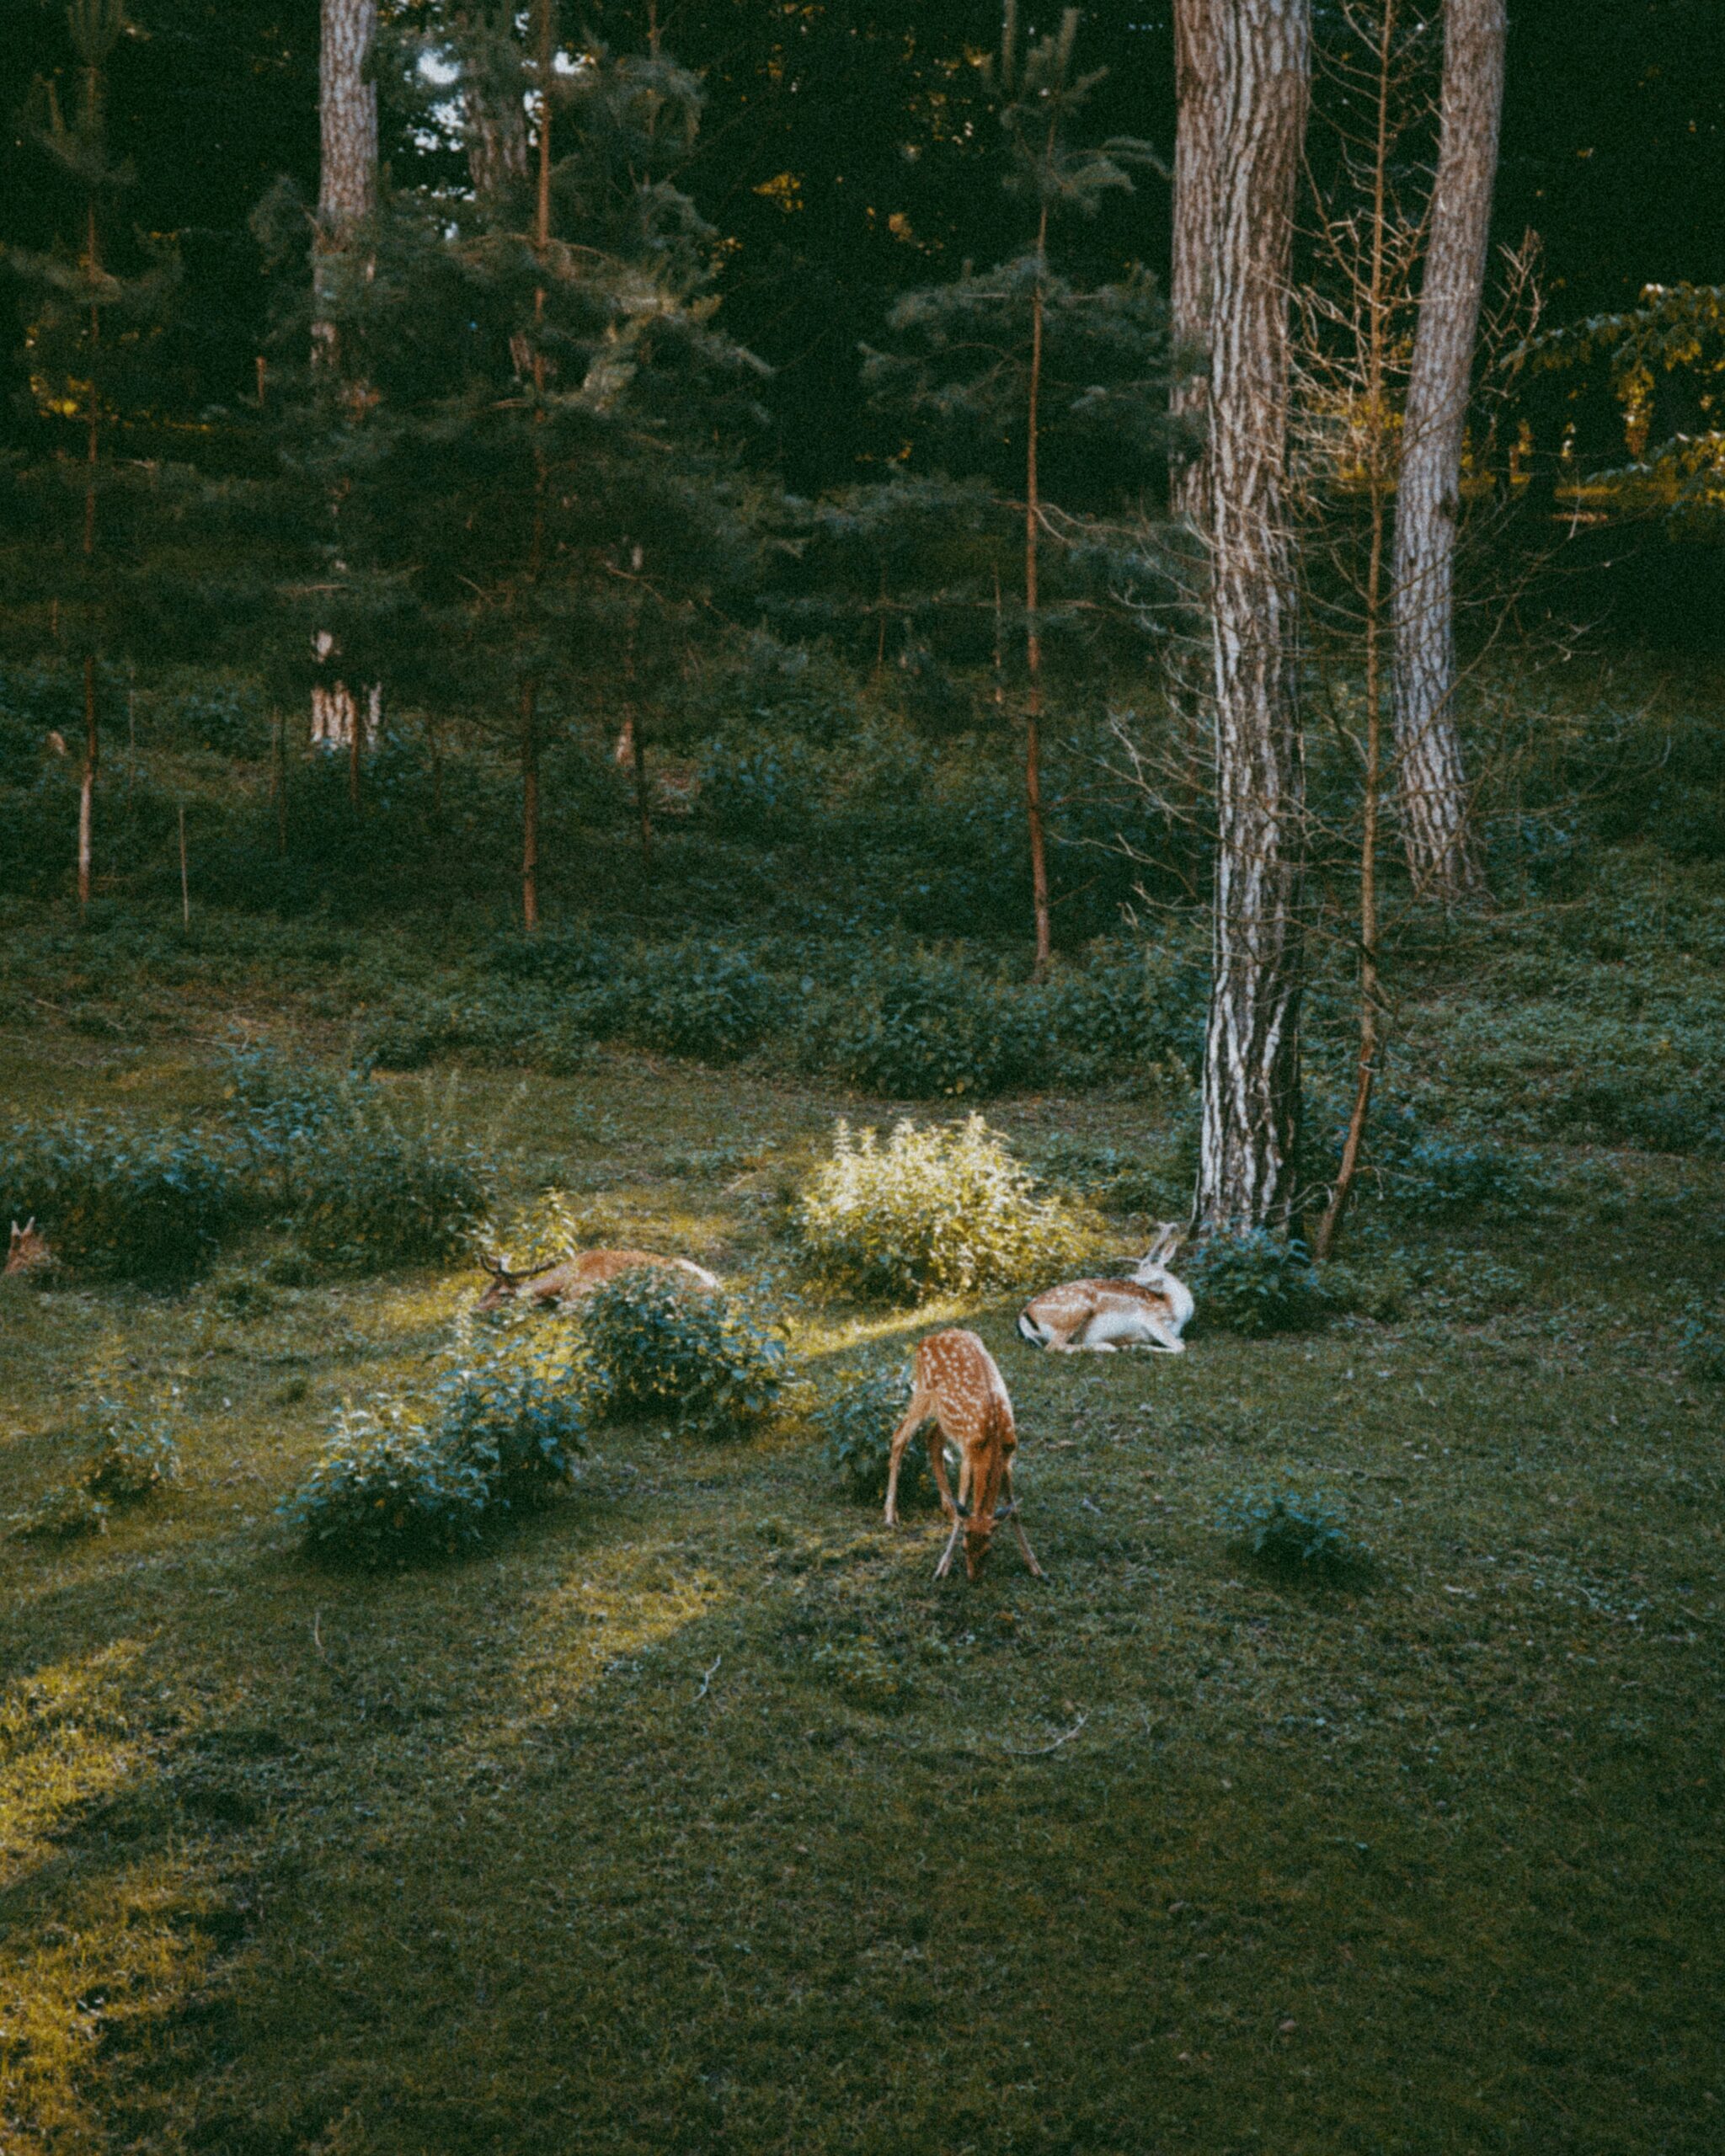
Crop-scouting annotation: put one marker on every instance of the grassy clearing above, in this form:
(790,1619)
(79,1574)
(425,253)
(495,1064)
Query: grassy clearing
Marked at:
(691,1815)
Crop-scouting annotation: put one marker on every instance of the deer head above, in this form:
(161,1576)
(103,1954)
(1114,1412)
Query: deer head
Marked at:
(504,1282)
(1153,1267)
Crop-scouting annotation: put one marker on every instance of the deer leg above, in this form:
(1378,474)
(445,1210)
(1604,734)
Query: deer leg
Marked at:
(1029,1555)
(915,1414)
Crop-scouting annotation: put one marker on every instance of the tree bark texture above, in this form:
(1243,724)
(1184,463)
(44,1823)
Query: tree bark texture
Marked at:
(347,112)
(1197,155)
(1251,1049)
(1433,779)
(494,111)
(347,194)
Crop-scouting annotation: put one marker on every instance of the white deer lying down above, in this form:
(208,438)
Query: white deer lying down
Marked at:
(960,1390)
(566,1279)
(1152,1310)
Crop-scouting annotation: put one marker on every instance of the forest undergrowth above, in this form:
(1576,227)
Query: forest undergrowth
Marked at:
(1352,1782)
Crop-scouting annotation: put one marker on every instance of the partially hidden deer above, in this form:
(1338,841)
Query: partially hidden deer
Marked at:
(959,1390)
(1150,1309)
(566,1279)
(28,1252)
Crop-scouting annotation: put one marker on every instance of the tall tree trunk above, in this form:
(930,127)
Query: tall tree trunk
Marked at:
(1251,1049)
(1033,635)
(495,116)
(347,194)
(1433,788)
(1198,149)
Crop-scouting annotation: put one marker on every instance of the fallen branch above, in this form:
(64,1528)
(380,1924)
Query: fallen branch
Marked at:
(1039,1751)
(705,1682)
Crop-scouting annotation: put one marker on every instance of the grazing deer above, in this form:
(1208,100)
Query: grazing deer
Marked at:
(566,1279)
(1151,1310)
(28,1252)
(959,1388)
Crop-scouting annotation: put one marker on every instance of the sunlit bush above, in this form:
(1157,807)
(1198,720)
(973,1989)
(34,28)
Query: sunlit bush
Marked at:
(931,1211)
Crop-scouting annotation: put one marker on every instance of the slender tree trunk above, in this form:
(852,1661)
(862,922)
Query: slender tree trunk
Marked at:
(347,194)
(1378,479)
(87,785)
(530,805)
(1252,1050)
(1434,786)
(1032,635)
(93,454)
(545,46)
(1198,149)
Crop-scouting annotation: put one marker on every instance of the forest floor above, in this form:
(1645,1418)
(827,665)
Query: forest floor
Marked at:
(692,1815)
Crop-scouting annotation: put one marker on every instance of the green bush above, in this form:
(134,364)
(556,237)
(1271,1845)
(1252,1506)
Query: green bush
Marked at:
(1437,1178)
(514,1411)
(1255,1284)
(121,1204)
(931,1211)
(375,1194)
(657,1346)
(914,1028)
(1700,1339)
(856,1419)
(387,1484)
(698,999)
(1294,1529)
(128,1452)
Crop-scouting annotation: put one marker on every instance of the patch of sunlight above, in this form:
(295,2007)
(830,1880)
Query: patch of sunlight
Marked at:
(614,1609)
(823,1333)
(86,1940)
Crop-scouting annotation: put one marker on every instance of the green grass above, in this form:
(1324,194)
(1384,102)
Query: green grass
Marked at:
(693,1816)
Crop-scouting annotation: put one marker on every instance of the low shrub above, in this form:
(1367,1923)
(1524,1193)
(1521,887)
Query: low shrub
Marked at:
(699,1000)
(856,1418)
(863,1671)
(915,1029)
(656,1347)
(1255,1284)
(1292,1529)
(485,1024)
(931,1211)
(1701,1339)
(374,1192)
(1438,1179)
(514,1412)
(387,1484)
(128,1450)
(121,1204)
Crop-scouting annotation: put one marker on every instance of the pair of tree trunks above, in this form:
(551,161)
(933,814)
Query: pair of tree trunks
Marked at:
(1434,796)
(343,720)
(1243,75)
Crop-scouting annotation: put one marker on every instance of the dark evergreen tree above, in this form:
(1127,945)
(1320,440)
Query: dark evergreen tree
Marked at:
(79,511)
(540,456)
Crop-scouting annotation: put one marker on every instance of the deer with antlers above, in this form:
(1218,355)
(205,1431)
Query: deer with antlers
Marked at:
(959,1390)
(1150,1309)
(567,1279)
